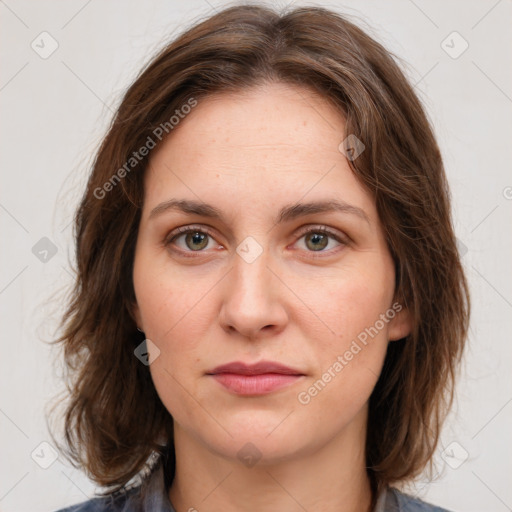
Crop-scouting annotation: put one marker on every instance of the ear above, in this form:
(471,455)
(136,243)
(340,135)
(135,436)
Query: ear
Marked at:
(401,325)
(135,314)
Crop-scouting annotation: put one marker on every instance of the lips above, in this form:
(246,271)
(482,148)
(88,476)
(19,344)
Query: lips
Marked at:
(254,379)
(263,367)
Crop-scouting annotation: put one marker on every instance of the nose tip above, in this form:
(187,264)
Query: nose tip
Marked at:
(251,301)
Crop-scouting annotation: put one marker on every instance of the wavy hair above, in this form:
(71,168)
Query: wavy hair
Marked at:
(114,421)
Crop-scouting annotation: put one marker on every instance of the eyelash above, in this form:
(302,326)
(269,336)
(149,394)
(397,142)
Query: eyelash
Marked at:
(196,229)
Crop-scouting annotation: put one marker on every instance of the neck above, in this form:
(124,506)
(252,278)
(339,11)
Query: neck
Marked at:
(330,479)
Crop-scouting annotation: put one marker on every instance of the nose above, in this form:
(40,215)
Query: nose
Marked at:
(252,302)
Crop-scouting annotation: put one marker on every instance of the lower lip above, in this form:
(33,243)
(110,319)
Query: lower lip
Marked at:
(255,384)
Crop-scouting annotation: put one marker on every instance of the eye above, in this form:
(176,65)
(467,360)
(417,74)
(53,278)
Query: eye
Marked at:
(194,238)
(197,239)
(316,239)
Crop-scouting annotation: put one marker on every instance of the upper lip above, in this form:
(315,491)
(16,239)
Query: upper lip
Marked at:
(241,368)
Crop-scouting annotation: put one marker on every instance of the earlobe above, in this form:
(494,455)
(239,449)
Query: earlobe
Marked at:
(400,326)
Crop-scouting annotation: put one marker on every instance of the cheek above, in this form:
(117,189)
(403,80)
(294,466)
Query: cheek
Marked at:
(353,300)
(350,359)
(174,319)
(170,302)
(351,354)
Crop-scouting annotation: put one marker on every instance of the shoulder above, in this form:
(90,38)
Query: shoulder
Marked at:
(149,495)
(406,503)
(93,505)
(126,501)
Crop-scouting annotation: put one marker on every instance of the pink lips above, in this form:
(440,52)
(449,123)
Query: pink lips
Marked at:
(256,379)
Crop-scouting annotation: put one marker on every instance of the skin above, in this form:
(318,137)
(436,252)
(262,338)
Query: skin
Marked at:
(249,154)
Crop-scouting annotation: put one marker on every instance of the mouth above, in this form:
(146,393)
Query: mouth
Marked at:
(255,379)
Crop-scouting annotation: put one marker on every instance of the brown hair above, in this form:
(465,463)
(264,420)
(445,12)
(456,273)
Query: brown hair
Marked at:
(115,420)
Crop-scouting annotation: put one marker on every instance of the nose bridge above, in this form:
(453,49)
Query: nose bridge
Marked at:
(251,271)
(251,300)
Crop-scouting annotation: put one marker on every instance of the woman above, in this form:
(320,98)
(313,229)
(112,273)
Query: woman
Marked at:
(270,308)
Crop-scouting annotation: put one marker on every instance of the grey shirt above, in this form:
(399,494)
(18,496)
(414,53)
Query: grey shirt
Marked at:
(156,499)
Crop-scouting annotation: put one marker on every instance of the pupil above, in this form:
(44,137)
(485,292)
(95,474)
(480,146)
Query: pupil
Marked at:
(197,238)
(315,238)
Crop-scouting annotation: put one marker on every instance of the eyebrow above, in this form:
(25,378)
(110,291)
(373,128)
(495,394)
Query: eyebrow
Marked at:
(287,213)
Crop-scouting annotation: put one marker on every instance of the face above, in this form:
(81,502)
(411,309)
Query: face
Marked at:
(263,279)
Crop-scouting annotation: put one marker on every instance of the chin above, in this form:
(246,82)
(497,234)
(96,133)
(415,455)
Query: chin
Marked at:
(268,439)
(262,451)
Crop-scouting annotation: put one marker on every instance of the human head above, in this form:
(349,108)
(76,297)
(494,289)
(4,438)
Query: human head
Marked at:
(400,168)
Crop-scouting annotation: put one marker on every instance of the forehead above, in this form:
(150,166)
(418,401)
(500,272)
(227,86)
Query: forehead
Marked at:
(254,147)
(271,117)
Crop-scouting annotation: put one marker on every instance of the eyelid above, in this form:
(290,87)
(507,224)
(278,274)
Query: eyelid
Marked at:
(340,237)
(187,229)
(321,228)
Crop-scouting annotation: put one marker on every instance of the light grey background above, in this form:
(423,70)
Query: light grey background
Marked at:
(54,112)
